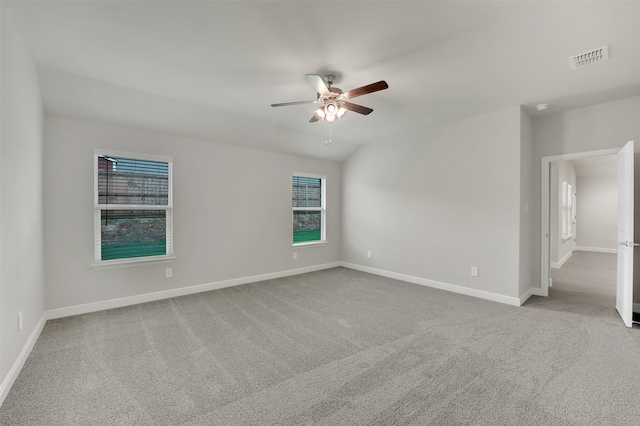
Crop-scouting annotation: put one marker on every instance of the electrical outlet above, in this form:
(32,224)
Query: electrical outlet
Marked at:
(369,254)
(20,321)
(169,272)
(474,271)
(295,255)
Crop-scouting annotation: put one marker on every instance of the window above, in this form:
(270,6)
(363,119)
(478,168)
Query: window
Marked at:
(309,209)
(133,203)
(567,206)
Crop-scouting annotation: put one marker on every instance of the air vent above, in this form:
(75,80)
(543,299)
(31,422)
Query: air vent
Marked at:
(588,58)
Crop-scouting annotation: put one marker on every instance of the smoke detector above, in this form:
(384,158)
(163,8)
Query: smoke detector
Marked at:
(590,57)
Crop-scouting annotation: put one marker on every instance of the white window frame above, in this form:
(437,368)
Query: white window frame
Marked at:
(169,256)
(567,204)
(322,209)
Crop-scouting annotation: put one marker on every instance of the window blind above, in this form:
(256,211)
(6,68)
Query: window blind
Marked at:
(307,192)
(132,181)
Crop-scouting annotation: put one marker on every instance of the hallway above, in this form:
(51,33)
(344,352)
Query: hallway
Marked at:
(586,276)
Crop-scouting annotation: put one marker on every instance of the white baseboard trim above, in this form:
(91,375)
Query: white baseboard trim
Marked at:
(535,291)
(527,294)
(558,265)
(183,291)
(481,294)
(12,375)
(597,249)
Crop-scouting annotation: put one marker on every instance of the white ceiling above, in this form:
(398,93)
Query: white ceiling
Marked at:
(211,69)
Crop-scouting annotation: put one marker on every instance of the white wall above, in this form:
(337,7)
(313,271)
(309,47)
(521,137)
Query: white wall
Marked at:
(434,204)
(232,213)
(21,210)
(560,249)
(593,128)
(597,213)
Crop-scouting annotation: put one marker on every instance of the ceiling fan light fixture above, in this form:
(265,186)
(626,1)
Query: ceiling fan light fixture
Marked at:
(332,112)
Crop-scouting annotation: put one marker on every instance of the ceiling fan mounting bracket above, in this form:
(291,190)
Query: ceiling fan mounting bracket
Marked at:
(329,79)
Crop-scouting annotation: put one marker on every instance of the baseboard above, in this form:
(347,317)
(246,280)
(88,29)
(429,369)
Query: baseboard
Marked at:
(183,291)
(558,265)
(535,291)
(481,294)
(596,249)
(527,294)
(13,373)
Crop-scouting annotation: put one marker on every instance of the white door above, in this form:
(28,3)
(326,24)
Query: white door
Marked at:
(624,284)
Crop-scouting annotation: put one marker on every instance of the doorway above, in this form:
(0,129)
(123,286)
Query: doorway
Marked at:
(560,237)
(583,246)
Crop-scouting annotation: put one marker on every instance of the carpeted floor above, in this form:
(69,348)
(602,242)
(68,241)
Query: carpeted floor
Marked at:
(587,272)
(332,347)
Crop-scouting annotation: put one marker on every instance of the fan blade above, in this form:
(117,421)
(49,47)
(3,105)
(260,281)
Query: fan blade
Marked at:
(314,119)
(369,88)
(357,108)
(318,83)
(295,103)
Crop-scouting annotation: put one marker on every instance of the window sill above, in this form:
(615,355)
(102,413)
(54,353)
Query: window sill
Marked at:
(567,237)
(125,263)
(310,244)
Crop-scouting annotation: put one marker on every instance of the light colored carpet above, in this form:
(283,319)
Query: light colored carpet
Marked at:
(587,272)
(332,347)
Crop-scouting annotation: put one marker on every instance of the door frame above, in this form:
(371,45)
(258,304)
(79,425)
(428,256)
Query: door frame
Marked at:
(545,206)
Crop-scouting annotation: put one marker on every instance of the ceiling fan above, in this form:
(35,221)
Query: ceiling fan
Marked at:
(335,101)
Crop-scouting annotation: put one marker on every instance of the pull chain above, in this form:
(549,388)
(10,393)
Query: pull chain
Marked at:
(327,139)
